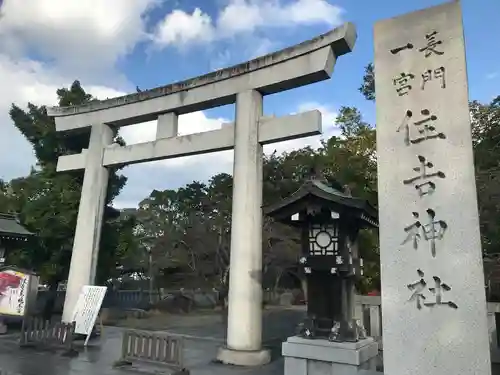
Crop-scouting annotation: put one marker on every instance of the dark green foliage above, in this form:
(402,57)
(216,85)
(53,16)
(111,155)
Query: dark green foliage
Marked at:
(47,201)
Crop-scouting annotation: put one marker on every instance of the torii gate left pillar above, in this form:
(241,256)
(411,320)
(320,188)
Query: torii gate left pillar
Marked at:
(89,220)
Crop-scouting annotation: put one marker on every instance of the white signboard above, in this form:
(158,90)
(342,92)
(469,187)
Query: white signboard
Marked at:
(433,298)
(87,308)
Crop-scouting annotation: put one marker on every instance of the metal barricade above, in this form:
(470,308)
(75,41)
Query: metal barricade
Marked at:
(152,348)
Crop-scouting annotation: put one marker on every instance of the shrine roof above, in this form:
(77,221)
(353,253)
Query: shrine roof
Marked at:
(10,227)
(323,191)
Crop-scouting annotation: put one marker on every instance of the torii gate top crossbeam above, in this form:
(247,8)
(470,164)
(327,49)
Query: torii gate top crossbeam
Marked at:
(295,66)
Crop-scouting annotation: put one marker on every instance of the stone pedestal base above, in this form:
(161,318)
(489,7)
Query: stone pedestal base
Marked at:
(321,357)
(244,358)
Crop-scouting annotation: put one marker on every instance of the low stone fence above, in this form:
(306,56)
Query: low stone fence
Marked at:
(369,311)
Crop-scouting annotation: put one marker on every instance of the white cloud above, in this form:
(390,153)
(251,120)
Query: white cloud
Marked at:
(243,16)
(180,28)
(23,81)
(79,38)
(82,35)
(231,21)
(273,13)
(262,47)
(493,75)
(220,60)
(328,130)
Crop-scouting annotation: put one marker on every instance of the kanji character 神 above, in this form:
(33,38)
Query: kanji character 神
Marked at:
(432,231)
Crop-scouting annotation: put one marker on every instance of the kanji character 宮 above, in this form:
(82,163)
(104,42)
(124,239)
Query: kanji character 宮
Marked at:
(402,83)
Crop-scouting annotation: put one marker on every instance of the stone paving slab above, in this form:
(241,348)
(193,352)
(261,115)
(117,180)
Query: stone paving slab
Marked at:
(99,357)
(201,344)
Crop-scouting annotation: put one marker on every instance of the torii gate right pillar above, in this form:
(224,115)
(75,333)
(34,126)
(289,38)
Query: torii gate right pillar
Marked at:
(244,330)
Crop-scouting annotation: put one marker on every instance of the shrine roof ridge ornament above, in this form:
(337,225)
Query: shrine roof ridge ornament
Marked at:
(317,68)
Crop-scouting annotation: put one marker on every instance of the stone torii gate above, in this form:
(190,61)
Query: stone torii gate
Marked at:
(244,84)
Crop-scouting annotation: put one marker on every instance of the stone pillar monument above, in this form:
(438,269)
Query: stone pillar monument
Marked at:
(433,295)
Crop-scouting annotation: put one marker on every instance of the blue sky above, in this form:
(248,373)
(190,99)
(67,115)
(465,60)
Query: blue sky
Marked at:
(483,58)
(112,46)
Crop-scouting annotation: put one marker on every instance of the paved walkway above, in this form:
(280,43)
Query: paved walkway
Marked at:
(99,357)
(201,345)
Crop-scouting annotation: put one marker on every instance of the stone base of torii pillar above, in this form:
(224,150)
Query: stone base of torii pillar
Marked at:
(244,357)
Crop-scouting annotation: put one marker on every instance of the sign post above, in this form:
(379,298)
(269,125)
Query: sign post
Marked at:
(18,291)
(87,309)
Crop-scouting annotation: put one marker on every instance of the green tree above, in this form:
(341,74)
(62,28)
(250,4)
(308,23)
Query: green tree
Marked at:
(486,140)
(351,160)
(47,201)
(367,87)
